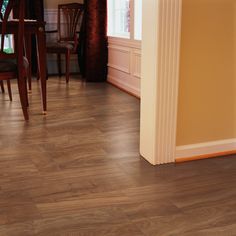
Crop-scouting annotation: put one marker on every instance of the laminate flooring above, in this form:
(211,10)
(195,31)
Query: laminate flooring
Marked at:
(78,172)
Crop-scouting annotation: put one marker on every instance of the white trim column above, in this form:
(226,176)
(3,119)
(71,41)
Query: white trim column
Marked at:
(159,79)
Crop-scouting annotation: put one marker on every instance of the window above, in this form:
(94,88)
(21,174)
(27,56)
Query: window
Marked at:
(4,5)
(119,18)
(8,40)
(138,20)
(125,18)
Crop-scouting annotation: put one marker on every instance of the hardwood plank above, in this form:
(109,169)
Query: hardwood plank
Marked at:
(77,171)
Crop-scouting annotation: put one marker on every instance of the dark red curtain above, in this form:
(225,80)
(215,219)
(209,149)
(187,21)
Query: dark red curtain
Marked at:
(34,10)
(95,41)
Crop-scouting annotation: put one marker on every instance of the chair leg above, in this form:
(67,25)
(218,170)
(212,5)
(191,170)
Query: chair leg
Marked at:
(2,86)
(9,89)
(59,63)
(23,96)
(67,66)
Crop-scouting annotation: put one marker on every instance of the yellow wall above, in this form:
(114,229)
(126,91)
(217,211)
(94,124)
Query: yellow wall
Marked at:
(53,3)
(207,93)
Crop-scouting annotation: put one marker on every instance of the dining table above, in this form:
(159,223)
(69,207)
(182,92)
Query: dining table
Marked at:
(37,28)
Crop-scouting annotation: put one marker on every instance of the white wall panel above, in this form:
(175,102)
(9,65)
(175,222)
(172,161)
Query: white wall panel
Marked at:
(124,64)
(119,58)
(136,63)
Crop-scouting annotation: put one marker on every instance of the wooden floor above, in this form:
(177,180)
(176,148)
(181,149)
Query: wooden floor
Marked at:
(77,171)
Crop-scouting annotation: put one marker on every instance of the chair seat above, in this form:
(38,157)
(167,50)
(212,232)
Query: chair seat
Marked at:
(10,65)
(59,46)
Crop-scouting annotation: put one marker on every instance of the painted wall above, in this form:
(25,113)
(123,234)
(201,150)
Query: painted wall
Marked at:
(52,4)
(207,92)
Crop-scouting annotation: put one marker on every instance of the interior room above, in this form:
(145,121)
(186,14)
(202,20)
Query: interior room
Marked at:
(117,117)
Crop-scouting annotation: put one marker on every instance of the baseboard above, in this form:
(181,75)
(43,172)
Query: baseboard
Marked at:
(205,150)
(123,86)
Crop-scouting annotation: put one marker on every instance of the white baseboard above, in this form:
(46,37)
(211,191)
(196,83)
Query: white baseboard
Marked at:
(204,149)
(124,86)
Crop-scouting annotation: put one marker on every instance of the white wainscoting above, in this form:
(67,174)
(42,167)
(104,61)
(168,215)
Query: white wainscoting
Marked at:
(50,16)
(124,64)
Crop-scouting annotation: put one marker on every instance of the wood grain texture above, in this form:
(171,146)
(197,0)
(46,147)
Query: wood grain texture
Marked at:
(77,171)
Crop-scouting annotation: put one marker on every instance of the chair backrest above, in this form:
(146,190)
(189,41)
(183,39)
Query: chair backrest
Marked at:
(70,18)
(17,31)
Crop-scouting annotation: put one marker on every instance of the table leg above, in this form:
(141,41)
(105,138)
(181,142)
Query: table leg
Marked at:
(41,52)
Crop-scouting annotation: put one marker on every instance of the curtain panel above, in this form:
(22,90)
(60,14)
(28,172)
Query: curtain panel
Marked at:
(95,41)
(35,11)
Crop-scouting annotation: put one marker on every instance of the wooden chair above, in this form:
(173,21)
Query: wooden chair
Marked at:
(14,65)
(69,22)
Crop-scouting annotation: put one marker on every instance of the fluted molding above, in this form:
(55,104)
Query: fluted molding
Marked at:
(160,129)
